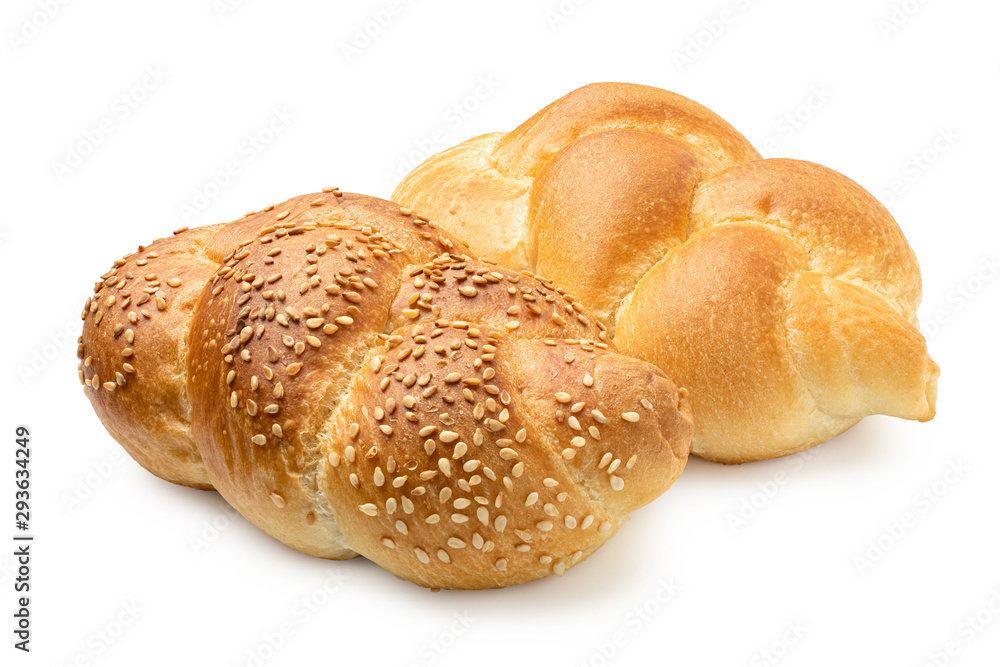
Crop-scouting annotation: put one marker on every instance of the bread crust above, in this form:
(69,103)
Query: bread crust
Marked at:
(356,383)
(779,292)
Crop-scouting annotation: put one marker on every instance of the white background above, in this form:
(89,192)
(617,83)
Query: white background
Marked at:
(119,539)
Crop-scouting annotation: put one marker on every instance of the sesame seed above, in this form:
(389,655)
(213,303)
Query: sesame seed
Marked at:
(401,527)
(631,461)
(421,555)
(630,416)
(369,508)
(549,482)
(598,416)
(378,477)
(568,453)
(614,465)
(259,439)
(448,436)
(617,483)
(278,500)
(563,397)
(588,380)
(605,460)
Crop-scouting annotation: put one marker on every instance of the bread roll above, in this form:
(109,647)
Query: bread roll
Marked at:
(355,382)
(779,292)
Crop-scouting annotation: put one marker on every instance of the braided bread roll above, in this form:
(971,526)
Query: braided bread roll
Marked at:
(353,384)
(781,293)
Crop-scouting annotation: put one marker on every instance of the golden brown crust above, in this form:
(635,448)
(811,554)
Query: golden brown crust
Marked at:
(331,331)
(130,338)
(779,292)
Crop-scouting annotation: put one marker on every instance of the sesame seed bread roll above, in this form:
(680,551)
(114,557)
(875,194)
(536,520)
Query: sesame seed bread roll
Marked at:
(354,383)
(453,472)
(780,293)
(134,331)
